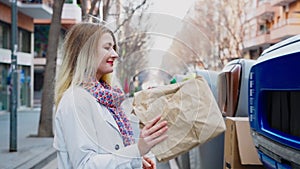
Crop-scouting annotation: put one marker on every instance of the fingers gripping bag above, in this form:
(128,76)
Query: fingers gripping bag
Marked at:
(190,109)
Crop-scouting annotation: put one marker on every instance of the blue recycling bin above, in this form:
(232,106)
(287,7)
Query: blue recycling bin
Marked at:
(274,104)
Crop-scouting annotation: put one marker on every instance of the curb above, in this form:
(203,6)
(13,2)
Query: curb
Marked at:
(39,161)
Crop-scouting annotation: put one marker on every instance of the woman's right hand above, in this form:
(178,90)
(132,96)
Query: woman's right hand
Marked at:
(152,134)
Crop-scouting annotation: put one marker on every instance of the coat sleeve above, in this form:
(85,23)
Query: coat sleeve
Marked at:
(78,148)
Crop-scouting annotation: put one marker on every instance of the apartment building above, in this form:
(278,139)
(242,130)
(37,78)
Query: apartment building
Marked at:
(30,13)
(26,14)
(270,21)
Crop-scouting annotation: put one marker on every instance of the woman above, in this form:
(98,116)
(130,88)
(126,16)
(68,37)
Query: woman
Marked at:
(91,130)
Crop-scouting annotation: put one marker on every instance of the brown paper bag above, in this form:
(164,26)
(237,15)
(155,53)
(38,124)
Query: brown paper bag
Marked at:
(191,111)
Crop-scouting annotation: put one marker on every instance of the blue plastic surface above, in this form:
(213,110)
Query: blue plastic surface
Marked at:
(278,74)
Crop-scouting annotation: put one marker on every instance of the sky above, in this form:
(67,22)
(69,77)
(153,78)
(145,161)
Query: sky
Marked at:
(172,7)
(169,14)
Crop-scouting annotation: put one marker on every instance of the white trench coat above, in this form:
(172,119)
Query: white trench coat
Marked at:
(87,136)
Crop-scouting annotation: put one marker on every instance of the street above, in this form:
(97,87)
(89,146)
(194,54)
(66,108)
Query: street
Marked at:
(31,150)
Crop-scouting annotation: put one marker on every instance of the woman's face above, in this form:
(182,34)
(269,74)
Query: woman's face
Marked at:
(107,55)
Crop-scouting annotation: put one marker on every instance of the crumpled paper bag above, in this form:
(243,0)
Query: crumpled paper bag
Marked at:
(191,111)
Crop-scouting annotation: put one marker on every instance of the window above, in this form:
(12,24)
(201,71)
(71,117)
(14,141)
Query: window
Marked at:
(4,35)
(41,33)
(263,28)
(24,41)
(69,1)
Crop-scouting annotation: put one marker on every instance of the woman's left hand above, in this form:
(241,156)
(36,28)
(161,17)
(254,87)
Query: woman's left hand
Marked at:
(148,163)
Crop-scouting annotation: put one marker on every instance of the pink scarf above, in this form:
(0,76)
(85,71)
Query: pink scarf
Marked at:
(112,98)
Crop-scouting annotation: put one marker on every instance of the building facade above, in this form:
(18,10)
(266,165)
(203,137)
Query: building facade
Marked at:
(31,59)
(270,21)
(26,14)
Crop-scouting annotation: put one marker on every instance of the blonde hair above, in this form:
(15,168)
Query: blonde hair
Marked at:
(80,57)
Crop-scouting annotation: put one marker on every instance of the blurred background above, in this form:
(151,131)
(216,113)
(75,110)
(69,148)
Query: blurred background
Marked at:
(157,39)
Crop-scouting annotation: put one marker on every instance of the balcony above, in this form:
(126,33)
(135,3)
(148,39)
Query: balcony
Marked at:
(71,13)
(257,41)
(34,8)
(22,59)
(264,11)
(281,2)
(285,29)
(39,61)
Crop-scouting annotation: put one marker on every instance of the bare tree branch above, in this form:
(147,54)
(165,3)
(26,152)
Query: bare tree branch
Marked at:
(130,15)
(106,7)
(93,6)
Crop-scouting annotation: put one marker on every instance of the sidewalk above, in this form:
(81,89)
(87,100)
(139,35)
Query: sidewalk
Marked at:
(32,152)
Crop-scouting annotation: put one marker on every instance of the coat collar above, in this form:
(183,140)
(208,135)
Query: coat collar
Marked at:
(108,117)
(104,112)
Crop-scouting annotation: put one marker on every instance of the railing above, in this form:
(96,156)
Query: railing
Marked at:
(47,2)
(281,2)
(263,32)
(288,21)
(264,10)
(259,39)
(262,2)
(32,1)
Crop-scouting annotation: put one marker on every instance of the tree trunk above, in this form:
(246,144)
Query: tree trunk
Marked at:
(83,8)
(45,125)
